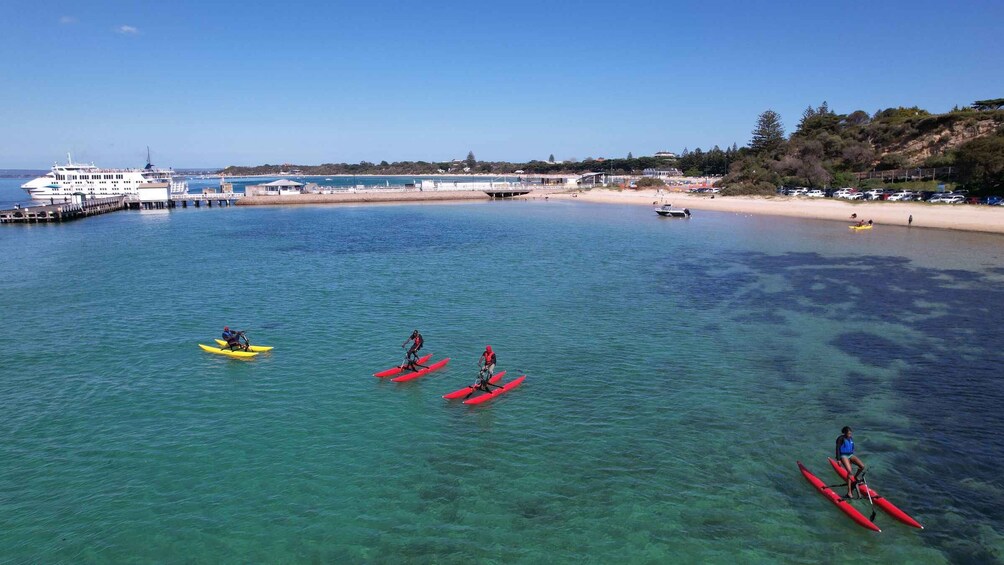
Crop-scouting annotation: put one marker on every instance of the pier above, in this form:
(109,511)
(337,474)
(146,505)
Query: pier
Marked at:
(508,192)
(54,213)
(183,200)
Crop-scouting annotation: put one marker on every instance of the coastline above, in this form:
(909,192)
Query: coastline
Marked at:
(962,217)
(370,197)
(986,219)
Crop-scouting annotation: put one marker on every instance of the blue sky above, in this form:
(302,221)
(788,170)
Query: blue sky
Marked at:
(214,83)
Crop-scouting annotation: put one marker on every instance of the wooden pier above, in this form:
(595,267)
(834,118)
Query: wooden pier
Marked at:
(53,213)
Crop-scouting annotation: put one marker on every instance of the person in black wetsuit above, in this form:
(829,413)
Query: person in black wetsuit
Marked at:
(417,341)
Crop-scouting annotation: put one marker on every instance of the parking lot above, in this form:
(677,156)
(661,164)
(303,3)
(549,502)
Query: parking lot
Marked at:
(932,197)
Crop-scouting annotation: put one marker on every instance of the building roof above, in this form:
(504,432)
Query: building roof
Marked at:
(283,183)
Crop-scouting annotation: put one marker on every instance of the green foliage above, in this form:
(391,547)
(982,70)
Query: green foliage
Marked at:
(715,162)
(901,113)
(551,158)
(471,161)
(751,175)
(649,182)
(981,164)
(768,135)
(992,104)
(844,179)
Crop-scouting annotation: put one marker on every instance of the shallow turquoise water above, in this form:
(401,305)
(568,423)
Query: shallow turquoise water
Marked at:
(676,370)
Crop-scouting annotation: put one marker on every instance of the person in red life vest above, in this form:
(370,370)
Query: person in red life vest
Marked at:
(417,341)
(487,365)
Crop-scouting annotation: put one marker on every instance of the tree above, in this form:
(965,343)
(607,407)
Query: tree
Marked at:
(992,104)
(551,158)
(858,118)
(981,163)
(471,161)
(768,135)
(648,182)
(630,156)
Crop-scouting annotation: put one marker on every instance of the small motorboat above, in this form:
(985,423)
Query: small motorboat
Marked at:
(667,211)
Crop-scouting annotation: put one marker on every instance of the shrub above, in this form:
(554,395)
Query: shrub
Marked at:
(650,182)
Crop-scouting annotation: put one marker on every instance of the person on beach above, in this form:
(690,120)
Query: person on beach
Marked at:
(854,216)
(233,338)
(845,455)
(487,367)
(909,222)
(870,222)
(417,341)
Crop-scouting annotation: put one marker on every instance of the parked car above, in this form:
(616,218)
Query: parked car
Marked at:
(816,193)
(855,196)
(904,196)
(799,191)
(873,194)
(844,192)
(992,200)
(947,198)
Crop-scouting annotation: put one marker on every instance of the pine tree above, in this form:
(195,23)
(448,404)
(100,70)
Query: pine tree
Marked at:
(630,156)
(551,158)
(471,161)
(768,135)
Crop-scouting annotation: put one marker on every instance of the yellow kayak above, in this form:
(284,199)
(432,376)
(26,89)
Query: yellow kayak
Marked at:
(258,348)
(228,353)
(865,227)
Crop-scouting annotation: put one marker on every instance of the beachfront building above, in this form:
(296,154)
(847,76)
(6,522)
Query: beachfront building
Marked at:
(275,188)
(662,173)
(665,154)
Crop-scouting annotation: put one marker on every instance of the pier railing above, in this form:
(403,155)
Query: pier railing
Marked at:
(65,211)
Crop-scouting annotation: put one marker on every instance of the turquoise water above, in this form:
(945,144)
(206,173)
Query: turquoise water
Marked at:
(675,372)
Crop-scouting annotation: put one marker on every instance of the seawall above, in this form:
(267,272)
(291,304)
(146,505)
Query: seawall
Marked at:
(363,197)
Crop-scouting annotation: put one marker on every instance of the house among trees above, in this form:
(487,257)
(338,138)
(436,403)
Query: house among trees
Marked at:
(665,154)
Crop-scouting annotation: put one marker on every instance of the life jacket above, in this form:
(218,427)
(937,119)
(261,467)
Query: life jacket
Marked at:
(847,446)
(419,341)
(489,357)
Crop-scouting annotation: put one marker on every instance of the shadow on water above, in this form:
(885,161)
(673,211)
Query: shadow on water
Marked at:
(947,375)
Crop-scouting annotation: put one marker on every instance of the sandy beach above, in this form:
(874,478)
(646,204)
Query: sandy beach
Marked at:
(963,217)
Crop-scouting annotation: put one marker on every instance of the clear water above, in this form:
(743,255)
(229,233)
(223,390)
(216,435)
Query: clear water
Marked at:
(676,370)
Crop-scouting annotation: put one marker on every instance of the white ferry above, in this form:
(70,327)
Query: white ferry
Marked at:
(64,181)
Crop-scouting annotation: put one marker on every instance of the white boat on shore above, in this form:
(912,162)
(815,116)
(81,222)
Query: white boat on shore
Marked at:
(667,211)
(65,181)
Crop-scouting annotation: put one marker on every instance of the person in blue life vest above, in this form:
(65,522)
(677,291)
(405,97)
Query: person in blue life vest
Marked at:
(233,338)
(845,456)
(417,341)
(487,366)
